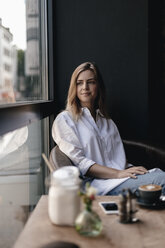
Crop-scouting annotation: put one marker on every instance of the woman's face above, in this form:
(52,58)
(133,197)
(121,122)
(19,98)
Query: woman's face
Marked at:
(87,88)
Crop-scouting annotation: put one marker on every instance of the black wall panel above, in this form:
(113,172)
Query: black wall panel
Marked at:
(114,34)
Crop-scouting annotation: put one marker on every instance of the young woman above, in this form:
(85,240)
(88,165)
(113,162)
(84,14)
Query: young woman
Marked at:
(86,134)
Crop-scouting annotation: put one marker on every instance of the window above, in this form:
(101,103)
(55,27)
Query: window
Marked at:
(6,37)
(26,108)
(25,94)
(6,52)
(7,67)
(21,177)
(21,37)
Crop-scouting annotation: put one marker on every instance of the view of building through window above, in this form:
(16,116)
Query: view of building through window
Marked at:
(20,62)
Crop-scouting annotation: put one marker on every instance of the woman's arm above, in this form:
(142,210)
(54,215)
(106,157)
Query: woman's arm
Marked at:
(104,172)
(65,135)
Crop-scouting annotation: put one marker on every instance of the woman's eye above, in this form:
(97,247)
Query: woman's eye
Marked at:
(78,83)
(92,82)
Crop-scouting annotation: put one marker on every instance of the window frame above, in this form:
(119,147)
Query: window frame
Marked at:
(16,115)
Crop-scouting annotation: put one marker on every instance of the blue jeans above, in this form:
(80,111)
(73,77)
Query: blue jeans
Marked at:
(157,177)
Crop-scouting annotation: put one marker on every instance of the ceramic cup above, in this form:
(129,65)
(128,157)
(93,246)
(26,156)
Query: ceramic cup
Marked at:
(150,193)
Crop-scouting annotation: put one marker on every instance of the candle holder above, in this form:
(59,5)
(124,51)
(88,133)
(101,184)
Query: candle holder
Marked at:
(127,207)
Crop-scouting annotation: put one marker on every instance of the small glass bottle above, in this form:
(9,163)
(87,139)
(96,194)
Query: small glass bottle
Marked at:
(88,222)
(63,198)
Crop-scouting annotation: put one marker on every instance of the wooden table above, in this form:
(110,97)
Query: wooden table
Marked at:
(148,232)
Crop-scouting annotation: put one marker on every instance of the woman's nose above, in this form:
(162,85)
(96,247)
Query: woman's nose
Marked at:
(85,85)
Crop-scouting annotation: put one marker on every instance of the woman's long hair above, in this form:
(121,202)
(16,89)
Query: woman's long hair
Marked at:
(73,103)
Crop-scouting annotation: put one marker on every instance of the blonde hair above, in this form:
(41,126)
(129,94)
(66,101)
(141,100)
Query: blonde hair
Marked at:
(73,103)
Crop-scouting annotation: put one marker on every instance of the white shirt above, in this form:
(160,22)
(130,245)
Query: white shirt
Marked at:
(87,142)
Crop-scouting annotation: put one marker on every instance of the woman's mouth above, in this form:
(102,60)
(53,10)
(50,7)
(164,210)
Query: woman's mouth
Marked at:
(85,94)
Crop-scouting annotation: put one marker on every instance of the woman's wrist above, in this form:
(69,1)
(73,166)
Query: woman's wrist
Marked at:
(114,173)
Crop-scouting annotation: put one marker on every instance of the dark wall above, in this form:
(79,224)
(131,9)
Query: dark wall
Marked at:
(114,34)
(156,65)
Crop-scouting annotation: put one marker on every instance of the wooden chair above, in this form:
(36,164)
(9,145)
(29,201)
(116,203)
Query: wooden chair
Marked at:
(58,159)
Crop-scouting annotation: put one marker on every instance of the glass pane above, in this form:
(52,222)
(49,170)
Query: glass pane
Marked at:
(23,56)
(21,177)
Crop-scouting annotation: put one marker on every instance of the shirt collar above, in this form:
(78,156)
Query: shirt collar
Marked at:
(98,112)
(86,110)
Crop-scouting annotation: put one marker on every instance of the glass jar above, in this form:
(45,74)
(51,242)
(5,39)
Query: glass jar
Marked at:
(63,198)
(88,223)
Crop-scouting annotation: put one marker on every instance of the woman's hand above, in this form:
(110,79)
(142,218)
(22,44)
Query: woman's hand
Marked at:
(132,172)
(99,171)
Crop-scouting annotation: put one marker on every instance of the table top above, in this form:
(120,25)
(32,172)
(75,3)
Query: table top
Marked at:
(148,232)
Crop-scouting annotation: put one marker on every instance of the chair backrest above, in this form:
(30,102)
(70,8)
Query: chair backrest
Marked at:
(145,154)
(58,159)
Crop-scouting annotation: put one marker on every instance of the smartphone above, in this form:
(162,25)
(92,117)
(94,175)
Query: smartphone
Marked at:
(109,207)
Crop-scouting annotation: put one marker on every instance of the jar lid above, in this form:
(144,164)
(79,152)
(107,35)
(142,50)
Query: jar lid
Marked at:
(66,175)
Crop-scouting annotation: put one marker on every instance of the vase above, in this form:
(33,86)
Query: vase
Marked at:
(88,223)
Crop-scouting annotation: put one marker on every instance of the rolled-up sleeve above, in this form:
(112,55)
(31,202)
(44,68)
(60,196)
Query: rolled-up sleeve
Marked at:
(65,135)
